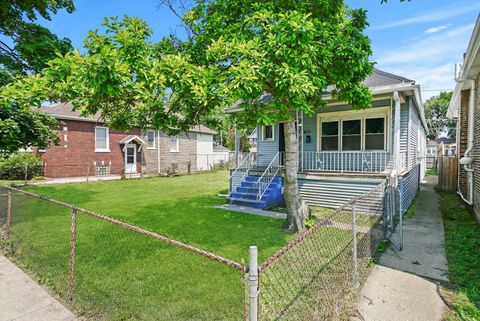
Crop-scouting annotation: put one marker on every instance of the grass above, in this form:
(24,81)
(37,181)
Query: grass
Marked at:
(319,213)
(122,275)
(462,243)
(431,172)
(411,209)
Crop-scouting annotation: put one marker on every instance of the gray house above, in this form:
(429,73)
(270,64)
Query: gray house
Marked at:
(342,152)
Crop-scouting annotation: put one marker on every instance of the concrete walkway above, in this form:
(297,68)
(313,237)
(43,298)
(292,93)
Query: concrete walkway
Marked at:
(406,284)
(22,299)
(251,210)
(423,251)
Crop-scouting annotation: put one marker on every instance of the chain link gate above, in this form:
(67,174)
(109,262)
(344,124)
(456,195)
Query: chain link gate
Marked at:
(393,216)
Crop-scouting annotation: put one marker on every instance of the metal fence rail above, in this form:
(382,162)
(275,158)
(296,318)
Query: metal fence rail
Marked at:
(311,278)
(105,268)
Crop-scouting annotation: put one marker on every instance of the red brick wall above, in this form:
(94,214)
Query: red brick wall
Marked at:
(462,129)
(476,154)
(76,155)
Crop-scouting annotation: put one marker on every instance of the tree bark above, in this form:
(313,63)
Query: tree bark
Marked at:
(297,209)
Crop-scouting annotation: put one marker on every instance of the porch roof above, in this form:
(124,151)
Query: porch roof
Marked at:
(133,138)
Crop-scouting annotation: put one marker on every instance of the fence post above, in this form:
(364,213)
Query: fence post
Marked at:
(73,237)
(26,175)
(253,283)
(356,281)
(6,227)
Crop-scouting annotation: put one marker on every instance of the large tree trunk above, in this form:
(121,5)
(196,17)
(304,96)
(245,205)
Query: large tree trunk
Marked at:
(297,209)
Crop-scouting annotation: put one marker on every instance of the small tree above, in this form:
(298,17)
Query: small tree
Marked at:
(436,116)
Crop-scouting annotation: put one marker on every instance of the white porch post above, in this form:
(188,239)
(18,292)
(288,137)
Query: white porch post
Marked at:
(396,133)
(237,146)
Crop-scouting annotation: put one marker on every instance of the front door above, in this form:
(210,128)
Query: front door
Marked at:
(131,158)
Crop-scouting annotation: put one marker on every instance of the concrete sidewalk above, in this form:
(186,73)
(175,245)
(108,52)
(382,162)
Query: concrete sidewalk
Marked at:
(405,287)
(22,299)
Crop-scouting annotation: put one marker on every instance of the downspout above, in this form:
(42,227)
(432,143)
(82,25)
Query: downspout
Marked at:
(467,160)
(158,151)
(396,139)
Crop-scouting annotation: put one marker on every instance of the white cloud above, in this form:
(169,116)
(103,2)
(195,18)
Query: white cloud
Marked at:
(437,15)
(430,60)
(436,29)
(433,49)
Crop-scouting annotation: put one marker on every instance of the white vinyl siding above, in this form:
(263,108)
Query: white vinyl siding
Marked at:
(101,139)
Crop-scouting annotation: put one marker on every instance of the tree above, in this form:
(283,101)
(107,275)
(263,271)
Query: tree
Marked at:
(292,50)
(436,116)
(238,51)
(32,46)
(126,78)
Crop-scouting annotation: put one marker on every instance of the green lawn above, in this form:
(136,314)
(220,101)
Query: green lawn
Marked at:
(122,275)
(462,244)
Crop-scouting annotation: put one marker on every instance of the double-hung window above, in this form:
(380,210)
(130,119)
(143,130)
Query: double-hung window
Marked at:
(330,136)
(352,134)
(101,139)
(150,139)
(174,144)
(267,133)
(363,134)
(375,133)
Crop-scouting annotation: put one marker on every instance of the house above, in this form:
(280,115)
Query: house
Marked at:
(88,147)
(465,105)
(342,152)
(442,146)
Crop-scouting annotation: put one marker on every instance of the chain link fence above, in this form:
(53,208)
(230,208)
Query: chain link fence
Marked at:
(313,277)
(106,269)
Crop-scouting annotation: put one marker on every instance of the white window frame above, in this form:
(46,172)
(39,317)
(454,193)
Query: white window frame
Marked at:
(102,150)
(319,133)
(263,133)
(177,149)
(154,139)
(385,133)
(362,115)
(340,137)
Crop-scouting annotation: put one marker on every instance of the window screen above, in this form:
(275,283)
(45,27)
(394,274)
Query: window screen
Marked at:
(268,132)
(330,135)
(375,134)
(352,135)
(150,139)
(101,138)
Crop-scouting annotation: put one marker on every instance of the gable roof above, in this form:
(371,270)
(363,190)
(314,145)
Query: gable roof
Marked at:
(64,111)
(378,78)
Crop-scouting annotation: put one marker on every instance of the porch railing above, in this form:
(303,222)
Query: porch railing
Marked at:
(347,162)
(241,171)
(269,174)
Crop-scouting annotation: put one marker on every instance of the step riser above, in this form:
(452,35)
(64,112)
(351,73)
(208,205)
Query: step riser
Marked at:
(246,194)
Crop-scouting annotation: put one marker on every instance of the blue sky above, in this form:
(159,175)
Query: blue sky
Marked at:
(420,39)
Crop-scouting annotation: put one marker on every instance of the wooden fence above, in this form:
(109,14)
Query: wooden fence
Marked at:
(447,173)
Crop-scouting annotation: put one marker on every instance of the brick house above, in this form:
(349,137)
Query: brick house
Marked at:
(88,147)
(465,105)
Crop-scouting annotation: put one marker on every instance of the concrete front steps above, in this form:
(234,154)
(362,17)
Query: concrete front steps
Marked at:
(246,193)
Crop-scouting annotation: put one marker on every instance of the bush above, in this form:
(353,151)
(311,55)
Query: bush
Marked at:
(14,166)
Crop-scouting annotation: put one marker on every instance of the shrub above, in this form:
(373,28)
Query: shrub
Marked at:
(14,166)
